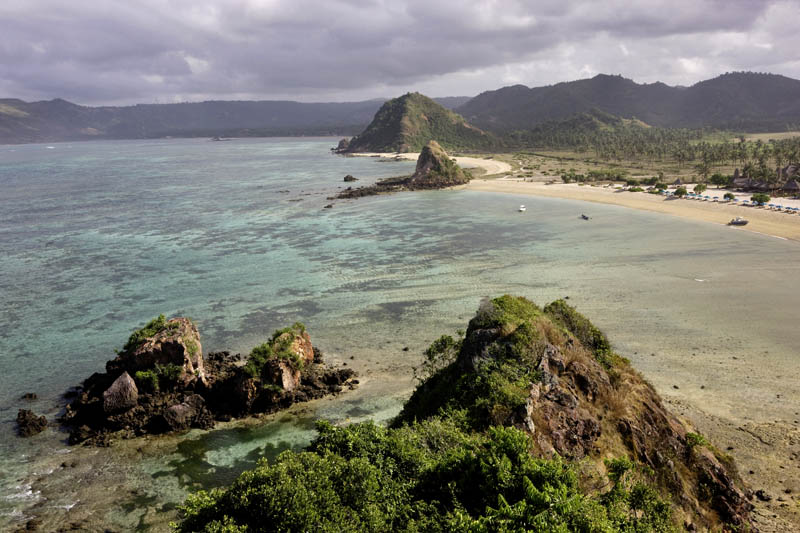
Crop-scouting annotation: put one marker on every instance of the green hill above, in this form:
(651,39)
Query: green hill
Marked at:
(408,123)
(741,101)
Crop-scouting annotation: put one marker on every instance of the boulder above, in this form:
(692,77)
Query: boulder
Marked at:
(189,413)
(121,395)
(176,343)
(281,372)
(350,178)
(29,423)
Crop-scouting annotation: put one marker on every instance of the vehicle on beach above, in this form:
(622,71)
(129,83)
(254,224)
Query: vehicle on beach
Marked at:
(522,208)
(738,221)
(584,217)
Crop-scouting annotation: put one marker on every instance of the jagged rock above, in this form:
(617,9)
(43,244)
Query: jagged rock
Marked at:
(350,178)
(177,343)
(29,396)
(121,395)
(282,373)
(435,169)
(191,412)
(583,403)
(29,423)
(112,404)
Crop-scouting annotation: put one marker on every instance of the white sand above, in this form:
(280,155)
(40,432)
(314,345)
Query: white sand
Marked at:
(491,166)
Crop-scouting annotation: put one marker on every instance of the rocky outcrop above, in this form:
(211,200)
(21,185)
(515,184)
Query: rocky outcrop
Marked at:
(582,402)
(121,395)
(29,423)
(176,342)
(173,388)
(342,147)
(350,178)
(434,170)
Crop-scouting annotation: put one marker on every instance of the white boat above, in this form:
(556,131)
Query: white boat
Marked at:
(738,221)
(522,208)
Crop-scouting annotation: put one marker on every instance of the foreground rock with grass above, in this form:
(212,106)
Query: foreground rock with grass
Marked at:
(160,382)
(529,422)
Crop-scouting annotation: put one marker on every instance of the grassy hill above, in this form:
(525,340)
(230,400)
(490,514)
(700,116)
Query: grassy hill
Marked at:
(408,123)
(742,101)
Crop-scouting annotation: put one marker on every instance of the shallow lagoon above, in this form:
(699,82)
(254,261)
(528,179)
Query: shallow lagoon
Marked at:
(96,238)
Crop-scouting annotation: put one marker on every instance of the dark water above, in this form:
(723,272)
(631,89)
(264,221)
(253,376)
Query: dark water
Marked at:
(97,238)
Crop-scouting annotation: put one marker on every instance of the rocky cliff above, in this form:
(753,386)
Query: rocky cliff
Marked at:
(160,382)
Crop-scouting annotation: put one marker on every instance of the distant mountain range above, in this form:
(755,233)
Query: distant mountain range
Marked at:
(59,120)
(742,102)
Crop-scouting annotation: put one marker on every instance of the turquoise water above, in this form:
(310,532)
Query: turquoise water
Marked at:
(97,238)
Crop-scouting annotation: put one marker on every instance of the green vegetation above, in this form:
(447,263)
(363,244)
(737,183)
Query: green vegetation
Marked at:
(408,123)
(721,180)
(695,439)
(700,188)
(278,347)
(447,463)
(729,196)
(138,337)
(158,378)
(760,198)
(681,191)
(431,475)
(191,346)
(636,189)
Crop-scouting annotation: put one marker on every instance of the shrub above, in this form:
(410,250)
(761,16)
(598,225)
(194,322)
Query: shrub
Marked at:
(729,196)
(760,198)
(695,439)
(138,337)
(681,191)
(146,381)
(429,476)
(700,188)
(636,189)
(278,346)
(158,378)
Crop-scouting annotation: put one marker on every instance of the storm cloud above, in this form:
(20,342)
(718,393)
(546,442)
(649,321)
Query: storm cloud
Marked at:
(114,52)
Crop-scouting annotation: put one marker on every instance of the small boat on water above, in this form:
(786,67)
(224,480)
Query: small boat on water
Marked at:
(522,208)
(584,217)
(738,221)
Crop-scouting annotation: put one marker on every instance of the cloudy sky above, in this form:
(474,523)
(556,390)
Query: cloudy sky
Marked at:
(128,51)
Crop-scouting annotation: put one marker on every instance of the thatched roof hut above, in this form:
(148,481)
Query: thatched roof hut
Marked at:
(791,186)
(742,182)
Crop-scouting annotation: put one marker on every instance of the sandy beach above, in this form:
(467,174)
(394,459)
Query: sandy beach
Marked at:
(769,222)
(491,166)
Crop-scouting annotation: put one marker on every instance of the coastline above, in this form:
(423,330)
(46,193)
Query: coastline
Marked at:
(491,166)
(763,221)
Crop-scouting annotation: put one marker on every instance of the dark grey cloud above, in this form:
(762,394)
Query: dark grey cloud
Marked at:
(156,50)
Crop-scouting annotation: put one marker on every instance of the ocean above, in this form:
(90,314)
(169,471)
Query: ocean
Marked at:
(96,238)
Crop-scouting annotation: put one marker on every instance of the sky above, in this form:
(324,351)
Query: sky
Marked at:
(108,52)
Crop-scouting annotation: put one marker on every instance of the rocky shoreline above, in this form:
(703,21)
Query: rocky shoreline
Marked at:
(434,170)
(161,383)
